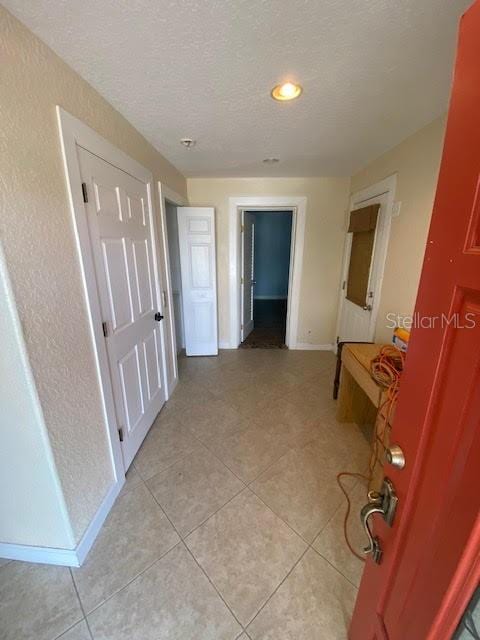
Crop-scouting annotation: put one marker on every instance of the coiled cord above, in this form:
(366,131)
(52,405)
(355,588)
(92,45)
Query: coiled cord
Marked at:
(386,369)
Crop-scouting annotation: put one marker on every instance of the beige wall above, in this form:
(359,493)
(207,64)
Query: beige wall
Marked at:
(31,502)
(327,200)
(37,233)
(416,161)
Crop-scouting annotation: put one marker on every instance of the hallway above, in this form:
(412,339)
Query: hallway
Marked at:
(230,524)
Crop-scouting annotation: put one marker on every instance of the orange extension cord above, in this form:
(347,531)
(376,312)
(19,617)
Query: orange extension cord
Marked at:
(386,370)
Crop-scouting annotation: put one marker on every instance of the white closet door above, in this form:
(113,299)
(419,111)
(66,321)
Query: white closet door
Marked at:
(119,220)
(248,283)
(196,235)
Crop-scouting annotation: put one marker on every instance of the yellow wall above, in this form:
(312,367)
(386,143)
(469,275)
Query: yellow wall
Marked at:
(37,233)
(416,161)
(327,201)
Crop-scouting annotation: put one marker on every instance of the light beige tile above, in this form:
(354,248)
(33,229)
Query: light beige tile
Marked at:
(250,398)
(135,534)
(78,632)
(314,399)
(330,543)
(224,380)
(173,600)
(189,392)
(166,443)
(193,489)
(294,425)
(132,479)
(248,453)
(314,603)
(36,601)
(246,551)
(217,419)
(301,488)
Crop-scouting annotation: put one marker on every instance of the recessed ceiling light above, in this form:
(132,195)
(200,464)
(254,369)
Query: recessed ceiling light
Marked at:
(188,142)
(286,91)
(271,160)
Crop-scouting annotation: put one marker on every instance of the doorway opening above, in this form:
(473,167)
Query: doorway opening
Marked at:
(266,258)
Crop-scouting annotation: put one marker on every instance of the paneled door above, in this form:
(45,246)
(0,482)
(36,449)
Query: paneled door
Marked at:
(362,275)
(248,268)
(430,566)
(196,237)
(119,221)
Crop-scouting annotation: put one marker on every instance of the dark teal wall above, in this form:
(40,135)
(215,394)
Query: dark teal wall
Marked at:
(272,253)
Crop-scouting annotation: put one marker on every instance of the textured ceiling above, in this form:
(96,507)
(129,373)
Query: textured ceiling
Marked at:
(373,72)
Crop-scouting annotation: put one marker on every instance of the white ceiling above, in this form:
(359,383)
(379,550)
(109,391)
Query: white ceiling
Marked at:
(373,72)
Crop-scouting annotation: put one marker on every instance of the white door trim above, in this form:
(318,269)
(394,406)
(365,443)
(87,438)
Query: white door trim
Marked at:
(165,193)
(75,133)
(298,206)
(387,186)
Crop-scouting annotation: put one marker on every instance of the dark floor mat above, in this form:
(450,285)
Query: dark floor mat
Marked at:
(265,338)
(270,317)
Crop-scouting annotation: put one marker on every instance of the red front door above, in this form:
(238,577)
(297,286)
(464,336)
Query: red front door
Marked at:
(431,561)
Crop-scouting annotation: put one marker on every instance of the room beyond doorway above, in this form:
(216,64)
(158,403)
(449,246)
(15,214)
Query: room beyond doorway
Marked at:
(266,257)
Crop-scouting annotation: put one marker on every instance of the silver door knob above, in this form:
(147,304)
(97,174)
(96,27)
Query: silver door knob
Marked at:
(367,307)
(395,456)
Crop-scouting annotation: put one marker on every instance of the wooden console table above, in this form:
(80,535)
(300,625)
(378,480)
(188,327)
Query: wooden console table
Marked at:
(359,395)
(361,399)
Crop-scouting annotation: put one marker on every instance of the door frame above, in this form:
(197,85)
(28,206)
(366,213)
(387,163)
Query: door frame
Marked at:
(73,133)
(298,206)
(387,186)
(164,194)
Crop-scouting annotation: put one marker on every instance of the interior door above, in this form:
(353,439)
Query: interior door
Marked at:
(119,221)
(431,555)
(361,273)
(196,235)
(248,270)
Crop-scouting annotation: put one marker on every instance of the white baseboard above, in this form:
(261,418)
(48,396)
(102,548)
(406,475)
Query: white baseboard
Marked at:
(306,346)
(65,557)
(171,387)
(95,525)
(45,555)
(223,344)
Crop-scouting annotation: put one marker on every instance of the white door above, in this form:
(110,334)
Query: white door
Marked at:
(196,238)
(357,321)
(119,220)
(248,270)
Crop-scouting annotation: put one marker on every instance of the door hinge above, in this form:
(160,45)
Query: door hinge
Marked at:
(120,434)
(242,228)
(84,192)
(105,329)
(241,327)
(344,284)
(241,280)
(338,339)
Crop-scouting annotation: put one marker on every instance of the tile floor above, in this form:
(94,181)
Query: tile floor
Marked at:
(230,524)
